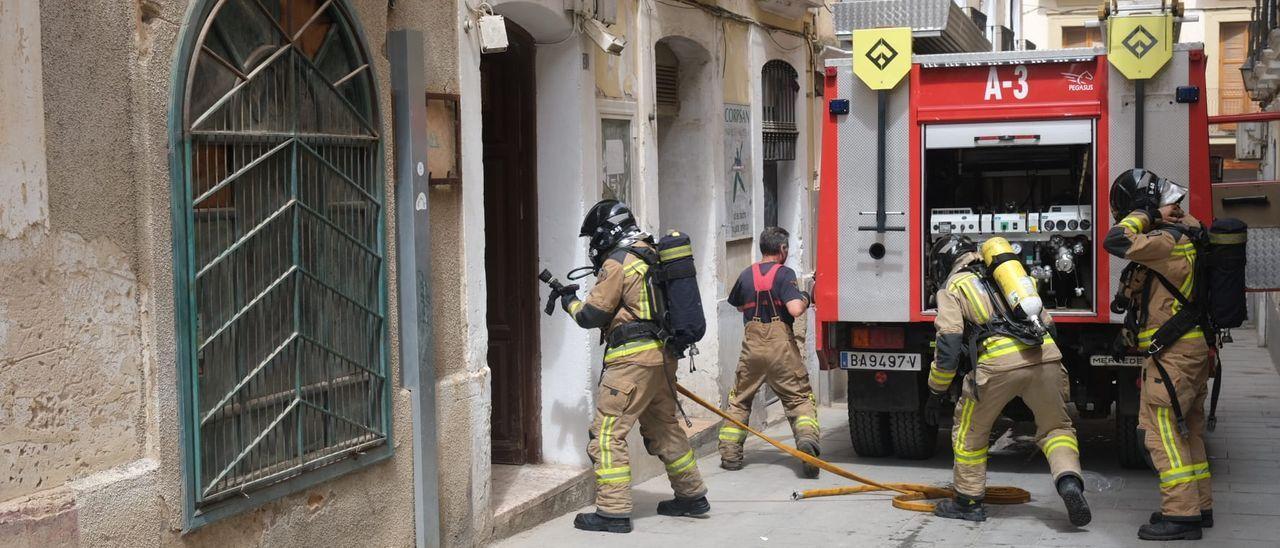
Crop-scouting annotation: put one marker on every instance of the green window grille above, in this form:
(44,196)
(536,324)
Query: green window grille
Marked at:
(279,251)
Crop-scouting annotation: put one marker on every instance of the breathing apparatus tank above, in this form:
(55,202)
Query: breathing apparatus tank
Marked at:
(1018,288)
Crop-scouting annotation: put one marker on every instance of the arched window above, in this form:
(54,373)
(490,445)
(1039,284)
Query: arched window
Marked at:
(278,249)
(779,88)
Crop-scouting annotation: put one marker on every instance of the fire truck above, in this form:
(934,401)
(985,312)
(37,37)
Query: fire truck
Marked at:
(1021,145)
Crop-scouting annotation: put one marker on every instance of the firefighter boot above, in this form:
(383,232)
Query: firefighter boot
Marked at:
(811,448)
(605,524)
(1172,529)
(1071,489)
(1206,518)
(961,507)
(684,507)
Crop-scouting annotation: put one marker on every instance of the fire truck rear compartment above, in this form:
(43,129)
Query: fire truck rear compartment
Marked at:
(1040,197)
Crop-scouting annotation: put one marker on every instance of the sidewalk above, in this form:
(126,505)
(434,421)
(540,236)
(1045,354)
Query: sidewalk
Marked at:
(753,507)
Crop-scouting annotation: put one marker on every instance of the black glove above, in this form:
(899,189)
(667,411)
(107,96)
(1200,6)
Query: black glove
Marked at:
(1148,201)
(567,294)
(935,404)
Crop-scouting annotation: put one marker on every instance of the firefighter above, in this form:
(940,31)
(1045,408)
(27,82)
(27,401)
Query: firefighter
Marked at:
(1006,368)
(638,380)
(1153,232)
(769,297)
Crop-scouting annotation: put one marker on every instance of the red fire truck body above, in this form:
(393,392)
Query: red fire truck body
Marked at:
(1022,145)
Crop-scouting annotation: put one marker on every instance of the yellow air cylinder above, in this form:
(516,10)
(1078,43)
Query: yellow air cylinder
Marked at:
(1018,288)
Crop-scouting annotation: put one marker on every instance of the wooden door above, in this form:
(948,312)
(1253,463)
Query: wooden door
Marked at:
(510,211)
(1233,48)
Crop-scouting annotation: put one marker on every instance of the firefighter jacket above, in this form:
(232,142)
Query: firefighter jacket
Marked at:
(964,308)
(1164,248)
(621,297)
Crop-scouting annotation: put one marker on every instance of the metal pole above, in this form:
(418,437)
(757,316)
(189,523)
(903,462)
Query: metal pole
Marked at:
(882,112)
(1140,108)
(413,246)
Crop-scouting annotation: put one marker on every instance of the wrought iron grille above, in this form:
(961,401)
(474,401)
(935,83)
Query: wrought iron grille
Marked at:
(779,87)
(284,262)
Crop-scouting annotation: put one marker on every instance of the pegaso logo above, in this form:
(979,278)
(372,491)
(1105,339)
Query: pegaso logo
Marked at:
(1079,81)
(881,54)
(1139,42)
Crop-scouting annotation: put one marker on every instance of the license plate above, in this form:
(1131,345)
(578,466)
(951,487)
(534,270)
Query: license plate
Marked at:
(1108,361)
(880,361)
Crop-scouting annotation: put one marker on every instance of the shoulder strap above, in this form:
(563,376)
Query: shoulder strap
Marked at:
(762,282)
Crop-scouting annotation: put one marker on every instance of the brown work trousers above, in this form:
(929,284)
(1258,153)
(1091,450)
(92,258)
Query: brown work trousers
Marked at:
(630,392)
(1044,388)
(769,355)
(1180,459)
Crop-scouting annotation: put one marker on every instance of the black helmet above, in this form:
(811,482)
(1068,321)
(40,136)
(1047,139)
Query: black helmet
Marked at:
(1134,182)
(606,223)
(943,255)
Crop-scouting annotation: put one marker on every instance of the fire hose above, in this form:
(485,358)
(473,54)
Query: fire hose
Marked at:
(910,496)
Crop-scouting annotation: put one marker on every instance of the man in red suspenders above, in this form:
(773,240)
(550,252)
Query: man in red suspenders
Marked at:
(770,300)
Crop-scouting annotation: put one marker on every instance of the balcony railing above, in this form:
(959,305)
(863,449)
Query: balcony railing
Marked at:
(1261,69)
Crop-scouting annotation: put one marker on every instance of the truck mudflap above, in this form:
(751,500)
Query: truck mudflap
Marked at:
(885,390)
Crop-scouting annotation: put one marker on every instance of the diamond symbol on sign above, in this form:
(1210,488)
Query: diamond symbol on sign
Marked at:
(1139,42)
(881,54)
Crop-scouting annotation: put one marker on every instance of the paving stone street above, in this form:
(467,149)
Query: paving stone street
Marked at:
(753,507)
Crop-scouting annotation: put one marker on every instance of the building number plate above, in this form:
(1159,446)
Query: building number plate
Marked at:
(879,361)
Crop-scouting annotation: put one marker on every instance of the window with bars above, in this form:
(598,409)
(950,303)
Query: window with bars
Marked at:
(779,87)
(279,251)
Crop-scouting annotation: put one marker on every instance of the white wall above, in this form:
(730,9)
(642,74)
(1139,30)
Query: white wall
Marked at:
(23,180)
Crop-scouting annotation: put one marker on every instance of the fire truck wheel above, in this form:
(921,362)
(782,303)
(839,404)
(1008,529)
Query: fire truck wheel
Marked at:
(869,431)
(912,438)
(1132,450)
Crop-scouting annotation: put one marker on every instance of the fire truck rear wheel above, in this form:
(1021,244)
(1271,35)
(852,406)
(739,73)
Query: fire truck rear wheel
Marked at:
(912,438)
(1131,447)
(869,431)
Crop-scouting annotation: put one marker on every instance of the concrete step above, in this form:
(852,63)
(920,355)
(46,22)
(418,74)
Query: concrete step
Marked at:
(525,496)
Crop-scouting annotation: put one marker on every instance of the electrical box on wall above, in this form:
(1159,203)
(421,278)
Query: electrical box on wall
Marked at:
(493,34)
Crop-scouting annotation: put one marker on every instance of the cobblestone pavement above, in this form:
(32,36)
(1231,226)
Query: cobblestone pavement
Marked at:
(753,507)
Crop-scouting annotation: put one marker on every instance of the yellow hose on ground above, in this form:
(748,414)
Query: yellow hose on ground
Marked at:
(911,496)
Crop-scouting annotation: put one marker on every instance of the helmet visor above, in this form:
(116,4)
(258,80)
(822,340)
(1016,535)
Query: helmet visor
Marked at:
(1171,193)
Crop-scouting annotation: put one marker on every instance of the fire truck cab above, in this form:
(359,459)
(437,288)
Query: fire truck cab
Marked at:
(1022,145)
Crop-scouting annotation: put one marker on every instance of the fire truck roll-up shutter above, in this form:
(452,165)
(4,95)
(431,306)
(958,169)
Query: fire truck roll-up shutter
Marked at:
(1054,132)
(873,266)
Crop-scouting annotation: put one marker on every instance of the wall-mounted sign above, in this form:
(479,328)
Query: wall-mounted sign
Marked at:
(737,150)
(444,156)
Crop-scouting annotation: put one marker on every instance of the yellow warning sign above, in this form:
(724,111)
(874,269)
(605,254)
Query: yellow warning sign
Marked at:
(1140,45)
(881,57)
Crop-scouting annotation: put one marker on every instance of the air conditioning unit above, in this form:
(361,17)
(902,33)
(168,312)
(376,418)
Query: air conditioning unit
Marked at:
(604,11)
(1251,139)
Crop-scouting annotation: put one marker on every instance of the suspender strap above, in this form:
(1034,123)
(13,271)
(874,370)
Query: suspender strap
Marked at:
(762,282)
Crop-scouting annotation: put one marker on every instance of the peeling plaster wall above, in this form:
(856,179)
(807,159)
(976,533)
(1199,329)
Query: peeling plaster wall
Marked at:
(23,179)
(89,439)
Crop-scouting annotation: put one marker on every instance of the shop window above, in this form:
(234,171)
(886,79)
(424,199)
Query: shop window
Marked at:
(615,150)
(279,252)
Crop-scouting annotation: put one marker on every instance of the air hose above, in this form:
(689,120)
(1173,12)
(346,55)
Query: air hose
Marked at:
(911,496)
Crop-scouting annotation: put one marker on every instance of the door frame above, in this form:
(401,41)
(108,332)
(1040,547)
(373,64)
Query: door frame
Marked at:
(529,378)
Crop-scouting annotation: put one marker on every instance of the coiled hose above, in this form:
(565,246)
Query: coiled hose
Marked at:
(911,496)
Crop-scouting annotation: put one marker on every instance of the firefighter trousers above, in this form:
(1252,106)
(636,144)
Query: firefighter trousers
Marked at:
(769,355)
(1044,388)
(631,392)
(1179,459)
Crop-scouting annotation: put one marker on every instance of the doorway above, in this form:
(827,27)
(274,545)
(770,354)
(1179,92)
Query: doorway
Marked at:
(511,241)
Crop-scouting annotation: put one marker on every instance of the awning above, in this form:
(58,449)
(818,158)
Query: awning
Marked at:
(938,26)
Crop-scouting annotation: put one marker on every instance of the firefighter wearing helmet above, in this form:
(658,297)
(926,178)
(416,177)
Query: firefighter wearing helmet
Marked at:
(1009,357)
(638,378)
(1153,233)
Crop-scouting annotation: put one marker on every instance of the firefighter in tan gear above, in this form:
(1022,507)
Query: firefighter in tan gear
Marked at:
(1006,366)
(638,380)
(770,299)
(1156,236)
